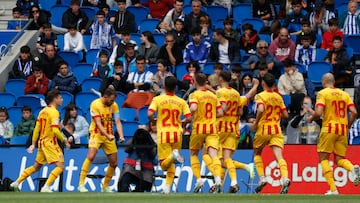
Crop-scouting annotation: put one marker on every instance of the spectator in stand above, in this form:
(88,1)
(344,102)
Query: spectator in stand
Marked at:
(139,80)
(224,50)
(65,80)
(119,49)
(349,21)
(235,81)
(249,110)
(16,23)
(214,78)
(168,22)
(102,33)
(292,83)
(46,37)
(37,83)
(6,127)
(170,52)
(23,66)
(198,49)
(158,8)
(129,58)
(75,16)
(158,79)
(249,39)
(330,34)
(305,53)
(293,20)
(306,30)
(27,123)
(123,20)
(148,48)
(339,59)
(49,61)
(229,31)
(117,81)
(103,69)
(192,20)
(39,18)
(94,3)
(206,30)
(264,10)
(25,6)
(274,30)
(188,80)
(319,18)
(181,35)
(81,125)
(74,41)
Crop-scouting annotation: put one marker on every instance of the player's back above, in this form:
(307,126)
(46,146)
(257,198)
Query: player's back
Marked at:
(204,121)
(273,106)
(48,117)
(231,98)
(336,103)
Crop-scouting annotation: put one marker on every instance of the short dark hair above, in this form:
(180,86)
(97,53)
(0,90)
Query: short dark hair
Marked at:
(196,30)
(218,65)
(219,31)
(46,26)
(305,22)
(140,58)
(4,109)
(104,6)
(228,21)
(25,49)
(269,79)
(333,21)
(170,83)
(305,37)
(193,63)
(118,63)
(62,63)
(109,91)
(247,26)
(16,9)
(100,13)
(75,2)
(52,94)
(337,38)
(37,68)
(201,79)
(103,53)
(225,75)
(26,108)
(288,63)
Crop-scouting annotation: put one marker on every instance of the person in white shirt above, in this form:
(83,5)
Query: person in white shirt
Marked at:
(73,40)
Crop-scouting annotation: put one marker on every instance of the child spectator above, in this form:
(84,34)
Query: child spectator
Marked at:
(6,127)
(119,49)
(74,41)
(249,39)
(214,78)
(197,50)
(23,66)
(328,36)
(158,79)
(46,37)
(117,81)
(17,23)
(65,80)
(37,83)
(293,20)
(27,123)
(102,33)
(206,31)
(229,31)
(306,30)
(339,59)
(103,69)
(180,34)
(305,53)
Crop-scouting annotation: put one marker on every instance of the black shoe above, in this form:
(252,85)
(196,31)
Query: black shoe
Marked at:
(285,187)
(234,189)
(260,186)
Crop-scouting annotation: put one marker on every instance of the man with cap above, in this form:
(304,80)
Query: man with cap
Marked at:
(319,17)
(123,20)
(128,58)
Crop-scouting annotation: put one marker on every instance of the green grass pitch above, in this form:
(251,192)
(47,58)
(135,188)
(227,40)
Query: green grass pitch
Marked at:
(9,197)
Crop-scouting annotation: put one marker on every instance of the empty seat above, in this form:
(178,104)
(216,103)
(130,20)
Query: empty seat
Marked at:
(15,86)
(7,99)
(90,83)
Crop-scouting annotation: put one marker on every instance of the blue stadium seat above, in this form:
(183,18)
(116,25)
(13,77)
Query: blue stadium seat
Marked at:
(15,114)
(7,99)
(66,2)
(84,99)
(60,39)
(159,39)
(15,86)
(70,57)
(57,12)
(129,128)
(47,4)
(90,83)
(216,12)
(90,11)
(140,13)
(350,52)
(209,68)
(152,68)
(18,140)
(142,115)
(320,54)
(353,41)
(318,40)
(242,11)
(136,37)
(82,71)
(128,114)
(181,71)
(67,98)
(92,56)
(265,37)
(148,25)
(257,23)
(301,68)
(84,140)
(87,41)
(29,100)
(121,97)
(287,100)
(316,70)
(340,9)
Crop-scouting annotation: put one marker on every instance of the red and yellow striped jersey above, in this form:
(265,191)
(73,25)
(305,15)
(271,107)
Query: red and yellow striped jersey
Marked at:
(204,121)
(168,124)
(105,113)
(336,103)
(269,123)
(48,118)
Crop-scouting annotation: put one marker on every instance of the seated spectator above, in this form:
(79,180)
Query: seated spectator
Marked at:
(168,22)
(305,53)
(27,123)
(274,30)
(249,110)
(198,49)
(65,80)
(319,18)
(129,58)
(299,131)
(48,61)
(46,37)
(158,8)
(81,125)
(339,59)
(206,30)
(181,35)
(293,20)
(23,66)
(39,18)
(214,78)
(264,10)
(249,39)
(117,81)
(93,3)
(349,21)
(102,33)
(119,49)
(330,34)
(170,52)
(229,31)
(37,83)
(74,41)
(103,69)
(192,20)
(306,30)
(16,23)
(123,20)
(292,83)
(224,50)
(262,71)
(148,48)
(25,6)
(6,127)
(158,79)
(75,16)
(235,81)
(139,80)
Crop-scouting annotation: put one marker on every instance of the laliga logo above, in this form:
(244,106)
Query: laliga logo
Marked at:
(272,174)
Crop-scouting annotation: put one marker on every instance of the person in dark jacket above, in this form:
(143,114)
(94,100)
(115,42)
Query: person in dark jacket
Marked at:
(64,80)
(192,20)
(49,61)
(27,123)
(23,66)
(123,20)
(39,18)
(75,16)
(170,52)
